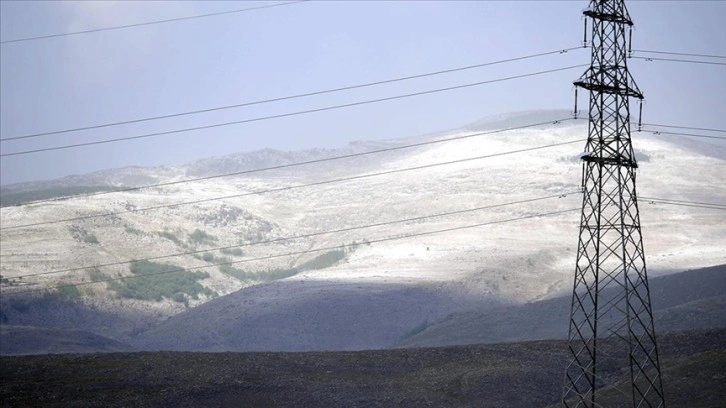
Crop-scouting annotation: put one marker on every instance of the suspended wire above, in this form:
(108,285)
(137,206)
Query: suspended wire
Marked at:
(352,155)
(283,115)
(284,98)
(687,205)
(287,188)
(314,234)
(218,108)
(346,156)
(660,125)
(679,60)
(418,234)
(660,132)
(651,200)
(170,20)
(683,203)
(296,164)
(682,127)
(685,54)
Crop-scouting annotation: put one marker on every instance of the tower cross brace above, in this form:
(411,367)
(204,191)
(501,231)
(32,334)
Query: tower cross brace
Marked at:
(612,342)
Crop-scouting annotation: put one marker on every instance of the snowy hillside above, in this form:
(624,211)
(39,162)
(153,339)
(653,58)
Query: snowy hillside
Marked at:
(345,283)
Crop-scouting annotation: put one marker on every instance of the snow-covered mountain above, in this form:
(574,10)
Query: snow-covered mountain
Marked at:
(346,283)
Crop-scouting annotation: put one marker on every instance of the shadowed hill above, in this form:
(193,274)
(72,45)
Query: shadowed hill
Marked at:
(297,315)
(300,315)
(37,340)
(682,301)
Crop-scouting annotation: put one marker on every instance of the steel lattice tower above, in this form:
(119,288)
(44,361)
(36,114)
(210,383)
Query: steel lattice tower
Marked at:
(614,356)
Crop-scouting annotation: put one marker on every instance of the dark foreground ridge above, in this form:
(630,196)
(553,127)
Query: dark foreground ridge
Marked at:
(497,375)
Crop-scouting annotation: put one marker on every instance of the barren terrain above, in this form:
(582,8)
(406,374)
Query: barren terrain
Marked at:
(514,257)
(501,375)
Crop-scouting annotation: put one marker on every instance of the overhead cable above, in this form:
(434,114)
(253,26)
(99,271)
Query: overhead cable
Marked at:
(660,132)
(289,97)
(283,115)
(287,188)
(303,163)
(352,155)
(684,54)
(682,127)
(650,200)
(170,20)
(314,234)
(679,60)
(297,253)
(684,203)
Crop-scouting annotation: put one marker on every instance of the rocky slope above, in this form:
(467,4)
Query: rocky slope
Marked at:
(423,277)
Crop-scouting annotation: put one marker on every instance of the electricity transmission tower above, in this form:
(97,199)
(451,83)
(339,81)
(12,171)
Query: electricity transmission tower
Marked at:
(612,344)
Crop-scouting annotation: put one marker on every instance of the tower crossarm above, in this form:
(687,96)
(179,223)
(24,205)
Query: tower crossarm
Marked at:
(611,336)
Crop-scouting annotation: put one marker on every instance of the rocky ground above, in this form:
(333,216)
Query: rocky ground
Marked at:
(501,262)
(500,375)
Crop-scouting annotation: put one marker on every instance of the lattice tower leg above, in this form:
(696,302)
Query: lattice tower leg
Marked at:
(614,354)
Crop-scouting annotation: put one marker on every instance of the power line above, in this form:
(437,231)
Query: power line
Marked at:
(649,199)
(685,54)
(672,127)
(682,127)
(170,20)
(687,205)
(683,201)
(283,115)
(284,98)
(680,60)
(418,234)
(660,132)
(289,165)
(695,204)
(274,190)
(335,231)
(346,156)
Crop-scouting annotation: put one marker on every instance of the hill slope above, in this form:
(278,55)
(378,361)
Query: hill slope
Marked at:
(514,257)
(503,375)
(682,301)
(324,316)
(35,340)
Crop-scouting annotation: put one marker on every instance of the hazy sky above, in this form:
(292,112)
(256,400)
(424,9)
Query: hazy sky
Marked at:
(117,75)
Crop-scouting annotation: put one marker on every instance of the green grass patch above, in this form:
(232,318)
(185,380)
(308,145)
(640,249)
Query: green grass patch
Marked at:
(199,237)
(96,275)
(69,292)
(321,261)
(90,239)
(81,235)
(134,231)
(156,281)
(324,260)
(238,273)
(232,251)
(210,257)
(171,237)
(23,197)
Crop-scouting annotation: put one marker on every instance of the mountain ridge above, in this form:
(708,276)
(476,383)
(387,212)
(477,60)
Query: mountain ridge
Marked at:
(514,257)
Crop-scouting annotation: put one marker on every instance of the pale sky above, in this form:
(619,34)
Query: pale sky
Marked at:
(125,74)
